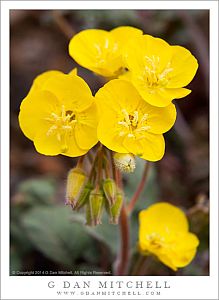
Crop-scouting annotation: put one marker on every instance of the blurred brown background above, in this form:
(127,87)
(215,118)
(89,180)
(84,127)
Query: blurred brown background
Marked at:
(39,42)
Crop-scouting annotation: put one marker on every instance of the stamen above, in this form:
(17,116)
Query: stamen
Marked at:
(143,119)
(135,119)
(51,130)
(126,115)
(121,133)
(123,123)
(143,128)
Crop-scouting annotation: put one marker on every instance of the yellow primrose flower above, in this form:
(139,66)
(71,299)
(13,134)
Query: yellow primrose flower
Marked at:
(164,232)
(101,51)
(159,71)
(128,124)
(59,115)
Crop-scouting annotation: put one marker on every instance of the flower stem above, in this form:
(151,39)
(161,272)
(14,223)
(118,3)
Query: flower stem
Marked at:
(123,255)
(112,164)
(139,188)
(139,266)
(80,161)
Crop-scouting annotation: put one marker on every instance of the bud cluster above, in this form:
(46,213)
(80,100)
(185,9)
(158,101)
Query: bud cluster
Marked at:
(95,192)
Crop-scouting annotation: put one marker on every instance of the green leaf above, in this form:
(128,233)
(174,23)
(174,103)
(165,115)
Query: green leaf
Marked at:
(52,233)
(37,191)
(106,233)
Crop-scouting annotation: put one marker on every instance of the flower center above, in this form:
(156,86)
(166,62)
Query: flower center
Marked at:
(132,124)
(155,240)
(62,124)
(152,76)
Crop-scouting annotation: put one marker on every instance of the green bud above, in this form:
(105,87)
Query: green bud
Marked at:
(75,182)
(125,162)
(109,188)
(115,209)
(84,196)
(96,201)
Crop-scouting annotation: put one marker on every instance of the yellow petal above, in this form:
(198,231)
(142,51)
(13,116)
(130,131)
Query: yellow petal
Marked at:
(34,110)
(40,80)
(108,133)
(163,218)
(133,146)
(86,128)
(160,119)
(154,146)
(184,250)
(180,253)
(96,50)
(116,95)
(173,93)
(72,91)
(184,66)
(47,145)
(151,147)
(71,148)
(146,50)
(123,34)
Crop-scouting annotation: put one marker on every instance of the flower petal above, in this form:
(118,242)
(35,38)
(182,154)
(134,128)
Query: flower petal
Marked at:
(116,95)
(72,91)
(95,50)
(122,34)
(86,128)
(108,134)
(72,148)
(34,109)
(143,51)
(151,147)
(184,66)
(163,218)
(47,145)
(160,119)
(40,80)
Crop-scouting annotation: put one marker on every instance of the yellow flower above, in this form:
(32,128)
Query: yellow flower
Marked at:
(164,232)
(59,115)
(101,51)
(159,71)
(128,124)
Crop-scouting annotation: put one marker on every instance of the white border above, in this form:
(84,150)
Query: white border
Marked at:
(34,287)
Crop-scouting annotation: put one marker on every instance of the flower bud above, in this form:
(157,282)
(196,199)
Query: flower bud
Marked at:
(125,162)
(115,209)
(84,196)
(109,188)
(75,182)
(96,201)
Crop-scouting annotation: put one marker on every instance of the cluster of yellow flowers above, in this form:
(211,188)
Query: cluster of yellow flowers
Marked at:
(129,114)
